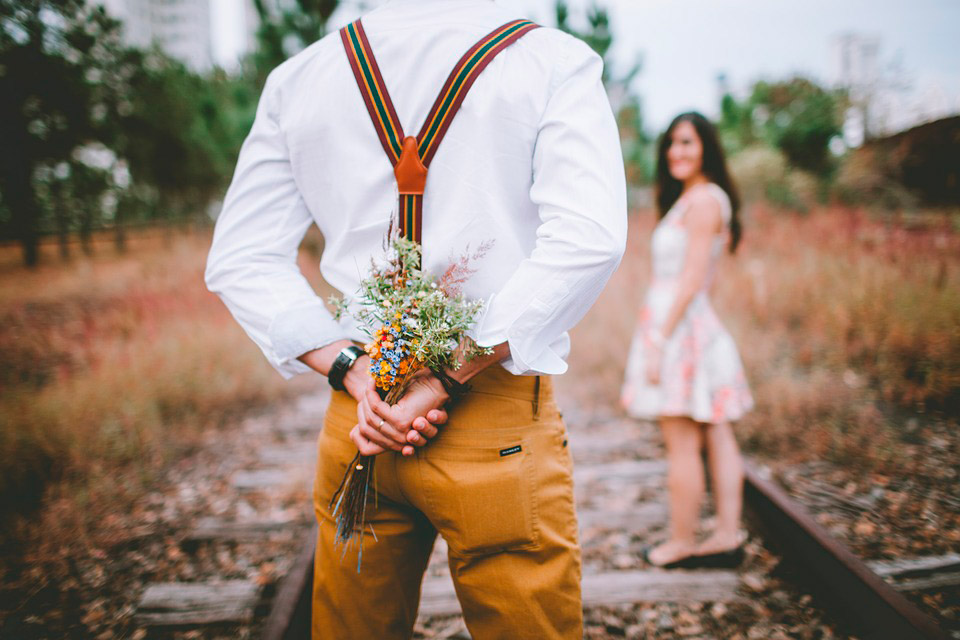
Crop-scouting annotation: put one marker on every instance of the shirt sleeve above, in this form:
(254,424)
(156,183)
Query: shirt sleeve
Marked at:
(252,263)
(579,188)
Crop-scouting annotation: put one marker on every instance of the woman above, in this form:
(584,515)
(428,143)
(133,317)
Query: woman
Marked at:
(684,369)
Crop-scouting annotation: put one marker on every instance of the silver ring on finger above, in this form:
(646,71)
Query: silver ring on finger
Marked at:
(380,426)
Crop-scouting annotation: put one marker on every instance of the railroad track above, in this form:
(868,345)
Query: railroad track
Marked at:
(620,500)
(879,609)
(857,589)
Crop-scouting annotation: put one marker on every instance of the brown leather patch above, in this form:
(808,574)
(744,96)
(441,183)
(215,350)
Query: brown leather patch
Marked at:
(410,172)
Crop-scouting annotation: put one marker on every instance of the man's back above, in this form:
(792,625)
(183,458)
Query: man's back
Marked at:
(531,164)
(532,153)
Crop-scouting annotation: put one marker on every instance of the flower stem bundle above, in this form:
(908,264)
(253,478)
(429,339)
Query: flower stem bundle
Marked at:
(415,322)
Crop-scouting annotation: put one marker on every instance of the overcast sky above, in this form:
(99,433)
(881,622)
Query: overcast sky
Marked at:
(686,43)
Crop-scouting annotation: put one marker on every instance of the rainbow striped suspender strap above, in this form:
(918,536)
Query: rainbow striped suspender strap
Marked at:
(411,156)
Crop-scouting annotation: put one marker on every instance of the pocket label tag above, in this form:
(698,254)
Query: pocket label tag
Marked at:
(510,450)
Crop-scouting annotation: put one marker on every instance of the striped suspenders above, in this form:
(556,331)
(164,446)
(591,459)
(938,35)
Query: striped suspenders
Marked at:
(411,156)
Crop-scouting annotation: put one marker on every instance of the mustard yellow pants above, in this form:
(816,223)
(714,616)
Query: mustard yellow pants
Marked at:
(496,483)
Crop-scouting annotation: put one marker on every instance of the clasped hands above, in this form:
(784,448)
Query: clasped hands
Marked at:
(410,423)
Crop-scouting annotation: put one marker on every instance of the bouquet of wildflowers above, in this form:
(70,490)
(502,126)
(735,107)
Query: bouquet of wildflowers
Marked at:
(415,322)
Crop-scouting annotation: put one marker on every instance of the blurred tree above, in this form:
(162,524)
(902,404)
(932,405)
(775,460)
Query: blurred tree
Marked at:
(597,35)
(800,118)
(736,125)
(44,112)
(796,116)
(172,137)
(287,30)
(636,142)
(94,133)
(637,145)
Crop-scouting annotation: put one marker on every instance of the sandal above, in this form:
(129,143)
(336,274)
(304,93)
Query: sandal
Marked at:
(729,559)
(687,562)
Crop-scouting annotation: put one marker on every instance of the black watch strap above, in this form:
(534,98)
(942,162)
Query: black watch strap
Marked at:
(345,359)
(454,388)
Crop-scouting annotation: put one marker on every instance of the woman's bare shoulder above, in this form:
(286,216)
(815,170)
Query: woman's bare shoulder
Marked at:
(704,212)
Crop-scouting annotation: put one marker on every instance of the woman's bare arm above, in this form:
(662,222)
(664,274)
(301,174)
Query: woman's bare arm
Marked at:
(703,220)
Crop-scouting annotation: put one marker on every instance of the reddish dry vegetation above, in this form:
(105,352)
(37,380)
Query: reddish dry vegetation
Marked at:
(848,327)
(111,366)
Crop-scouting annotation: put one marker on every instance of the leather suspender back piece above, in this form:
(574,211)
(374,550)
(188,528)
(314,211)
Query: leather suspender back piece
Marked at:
(411,156)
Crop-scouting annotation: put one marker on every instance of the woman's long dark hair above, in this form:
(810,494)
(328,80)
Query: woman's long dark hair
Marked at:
(714,168)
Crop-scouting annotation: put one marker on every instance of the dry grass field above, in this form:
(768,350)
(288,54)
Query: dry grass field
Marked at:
(111,367)
(849,328)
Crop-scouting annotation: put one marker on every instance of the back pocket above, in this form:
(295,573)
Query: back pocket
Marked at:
(482,499)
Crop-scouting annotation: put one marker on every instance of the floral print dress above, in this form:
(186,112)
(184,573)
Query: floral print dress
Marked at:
(702,375)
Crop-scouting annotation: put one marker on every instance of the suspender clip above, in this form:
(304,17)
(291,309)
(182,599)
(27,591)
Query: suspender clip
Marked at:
(410,172)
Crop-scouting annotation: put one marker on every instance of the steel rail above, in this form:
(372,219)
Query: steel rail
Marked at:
(881,610)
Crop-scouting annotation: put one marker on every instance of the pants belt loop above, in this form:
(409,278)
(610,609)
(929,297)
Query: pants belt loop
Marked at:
(536,398)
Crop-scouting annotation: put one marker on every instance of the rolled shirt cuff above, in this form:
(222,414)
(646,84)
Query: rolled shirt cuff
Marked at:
(298,330)
(527,357)
(290,369)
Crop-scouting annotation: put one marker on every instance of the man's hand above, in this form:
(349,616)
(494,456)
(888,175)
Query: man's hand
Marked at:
(414,419)
(420,410)
(410,423)
(358,378)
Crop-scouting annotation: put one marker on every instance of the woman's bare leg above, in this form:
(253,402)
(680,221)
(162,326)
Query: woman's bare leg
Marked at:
(726,473)
(685,481)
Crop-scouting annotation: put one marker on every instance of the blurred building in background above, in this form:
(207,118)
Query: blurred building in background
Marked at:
(883,98)
(182,28)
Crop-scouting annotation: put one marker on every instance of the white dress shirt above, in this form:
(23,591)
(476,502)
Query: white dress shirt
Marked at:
(531,163)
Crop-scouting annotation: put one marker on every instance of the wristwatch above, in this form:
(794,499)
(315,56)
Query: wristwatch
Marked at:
(454,388)
(338,370)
